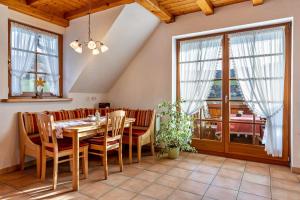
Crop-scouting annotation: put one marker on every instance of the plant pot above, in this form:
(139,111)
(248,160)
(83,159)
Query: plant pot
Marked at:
(173,153)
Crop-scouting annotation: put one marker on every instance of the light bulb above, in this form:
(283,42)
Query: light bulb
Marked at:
(103,48)
(79,49)
(95,51)
(92,44)
(74,44)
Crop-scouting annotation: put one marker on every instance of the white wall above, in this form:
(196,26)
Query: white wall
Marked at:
(148,79)
(125,37)
(9,139)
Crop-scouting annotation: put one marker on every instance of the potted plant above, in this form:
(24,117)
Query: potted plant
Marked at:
(175,132)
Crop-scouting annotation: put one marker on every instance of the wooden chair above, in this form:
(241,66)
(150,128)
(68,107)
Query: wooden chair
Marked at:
(142,132)
(57,148)
(30,143)
(111,140)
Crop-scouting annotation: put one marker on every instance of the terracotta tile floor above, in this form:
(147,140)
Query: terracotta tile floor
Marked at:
(191,176)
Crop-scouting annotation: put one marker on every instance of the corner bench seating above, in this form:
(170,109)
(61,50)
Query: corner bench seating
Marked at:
(30,142)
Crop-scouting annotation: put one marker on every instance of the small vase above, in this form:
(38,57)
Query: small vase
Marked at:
(173,153)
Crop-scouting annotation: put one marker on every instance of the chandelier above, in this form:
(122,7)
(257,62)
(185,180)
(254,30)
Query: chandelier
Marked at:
(94,46)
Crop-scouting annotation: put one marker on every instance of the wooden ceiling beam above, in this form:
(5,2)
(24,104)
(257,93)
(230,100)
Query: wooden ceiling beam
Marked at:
(95,7)
(28,10)
(206,6)
(32,2)
(257,2)
(154,7)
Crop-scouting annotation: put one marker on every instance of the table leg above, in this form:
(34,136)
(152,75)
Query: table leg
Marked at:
(130,143)
(75,173)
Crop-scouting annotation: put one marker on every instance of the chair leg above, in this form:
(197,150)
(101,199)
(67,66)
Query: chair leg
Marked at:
(152,146)
(38,163)
(44,164)
(104,160)
(139,149)
(120,158)
(85,161)
(55,171)
(71,163)
(22,157)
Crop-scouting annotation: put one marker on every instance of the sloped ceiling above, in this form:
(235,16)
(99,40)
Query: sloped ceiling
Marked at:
(126,35)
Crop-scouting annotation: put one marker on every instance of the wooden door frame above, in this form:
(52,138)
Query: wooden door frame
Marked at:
(235,150)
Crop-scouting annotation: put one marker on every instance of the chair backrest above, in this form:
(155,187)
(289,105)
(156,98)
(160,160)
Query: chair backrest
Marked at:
(48,136)
(117,121)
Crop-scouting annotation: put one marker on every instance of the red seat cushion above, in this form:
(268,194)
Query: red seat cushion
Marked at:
(36,140)
(135,134)
(66,144)
(100,141)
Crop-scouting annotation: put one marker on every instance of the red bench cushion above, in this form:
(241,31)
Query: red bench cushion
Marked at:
(30,123)
(69,114)
(58,115)
(66,144)
(143,118)
(135,134)
(100,141)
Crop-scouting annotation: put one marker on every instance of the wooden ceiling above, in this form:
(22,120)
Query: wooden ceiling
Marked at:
(60,12)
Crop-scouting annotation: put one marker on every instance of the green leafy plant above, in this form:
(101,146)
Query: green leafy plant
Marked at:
(175,128)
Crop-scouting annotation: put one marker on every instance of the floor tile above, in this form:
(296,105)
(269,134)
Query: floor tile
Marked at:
(169,162)
(247,196)
(170,181)
(280,194)
(115,179)
(282,173)
(95,189)
(257,170)
(159,168)
(182,173)
(187,165)
(228,164)
(219,193)
(131,171)
(201,177)
(285,184)
(230,174)
(142,197)
(148,176)
(255,178)
(5,189)
(225,182)
(16,195)
(211,162)
(157,191)
(180,195)
(257,164)
(257,189)
(118,194)
(134,185)
(207,169)
(193,187)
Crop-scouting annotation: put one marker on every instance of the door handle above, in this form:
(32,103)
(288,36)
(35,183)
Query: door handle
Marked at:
(226,99)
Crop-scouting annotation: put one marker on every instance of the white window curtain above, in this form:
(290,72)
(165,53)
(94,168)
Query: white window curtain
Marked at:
(23,46)
(48,44)
(199,60)
(259,62)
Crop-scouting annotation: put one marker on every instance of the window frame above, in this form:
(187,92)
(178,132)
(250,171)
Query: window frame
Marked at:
(60,64)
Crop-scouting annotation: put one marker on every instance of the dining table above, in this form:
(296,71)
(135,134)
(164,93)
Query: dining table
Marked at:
(85,128)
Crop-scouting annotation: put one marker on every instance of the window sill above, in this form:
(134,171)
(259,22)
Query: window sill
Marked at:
(31,100)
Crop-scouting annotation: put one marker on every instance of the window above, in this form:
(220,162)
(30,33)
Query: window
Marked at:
(237,86)
(35,56)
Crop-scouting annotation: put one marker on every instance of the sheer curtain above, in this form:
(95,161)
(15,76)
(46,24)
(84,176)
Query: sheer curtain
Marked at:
(199,59)
(48,44)
(23,46)
(259,63)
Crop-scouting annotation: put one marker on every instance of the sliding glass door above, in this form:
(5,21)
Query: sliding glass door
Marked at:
(237,87)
